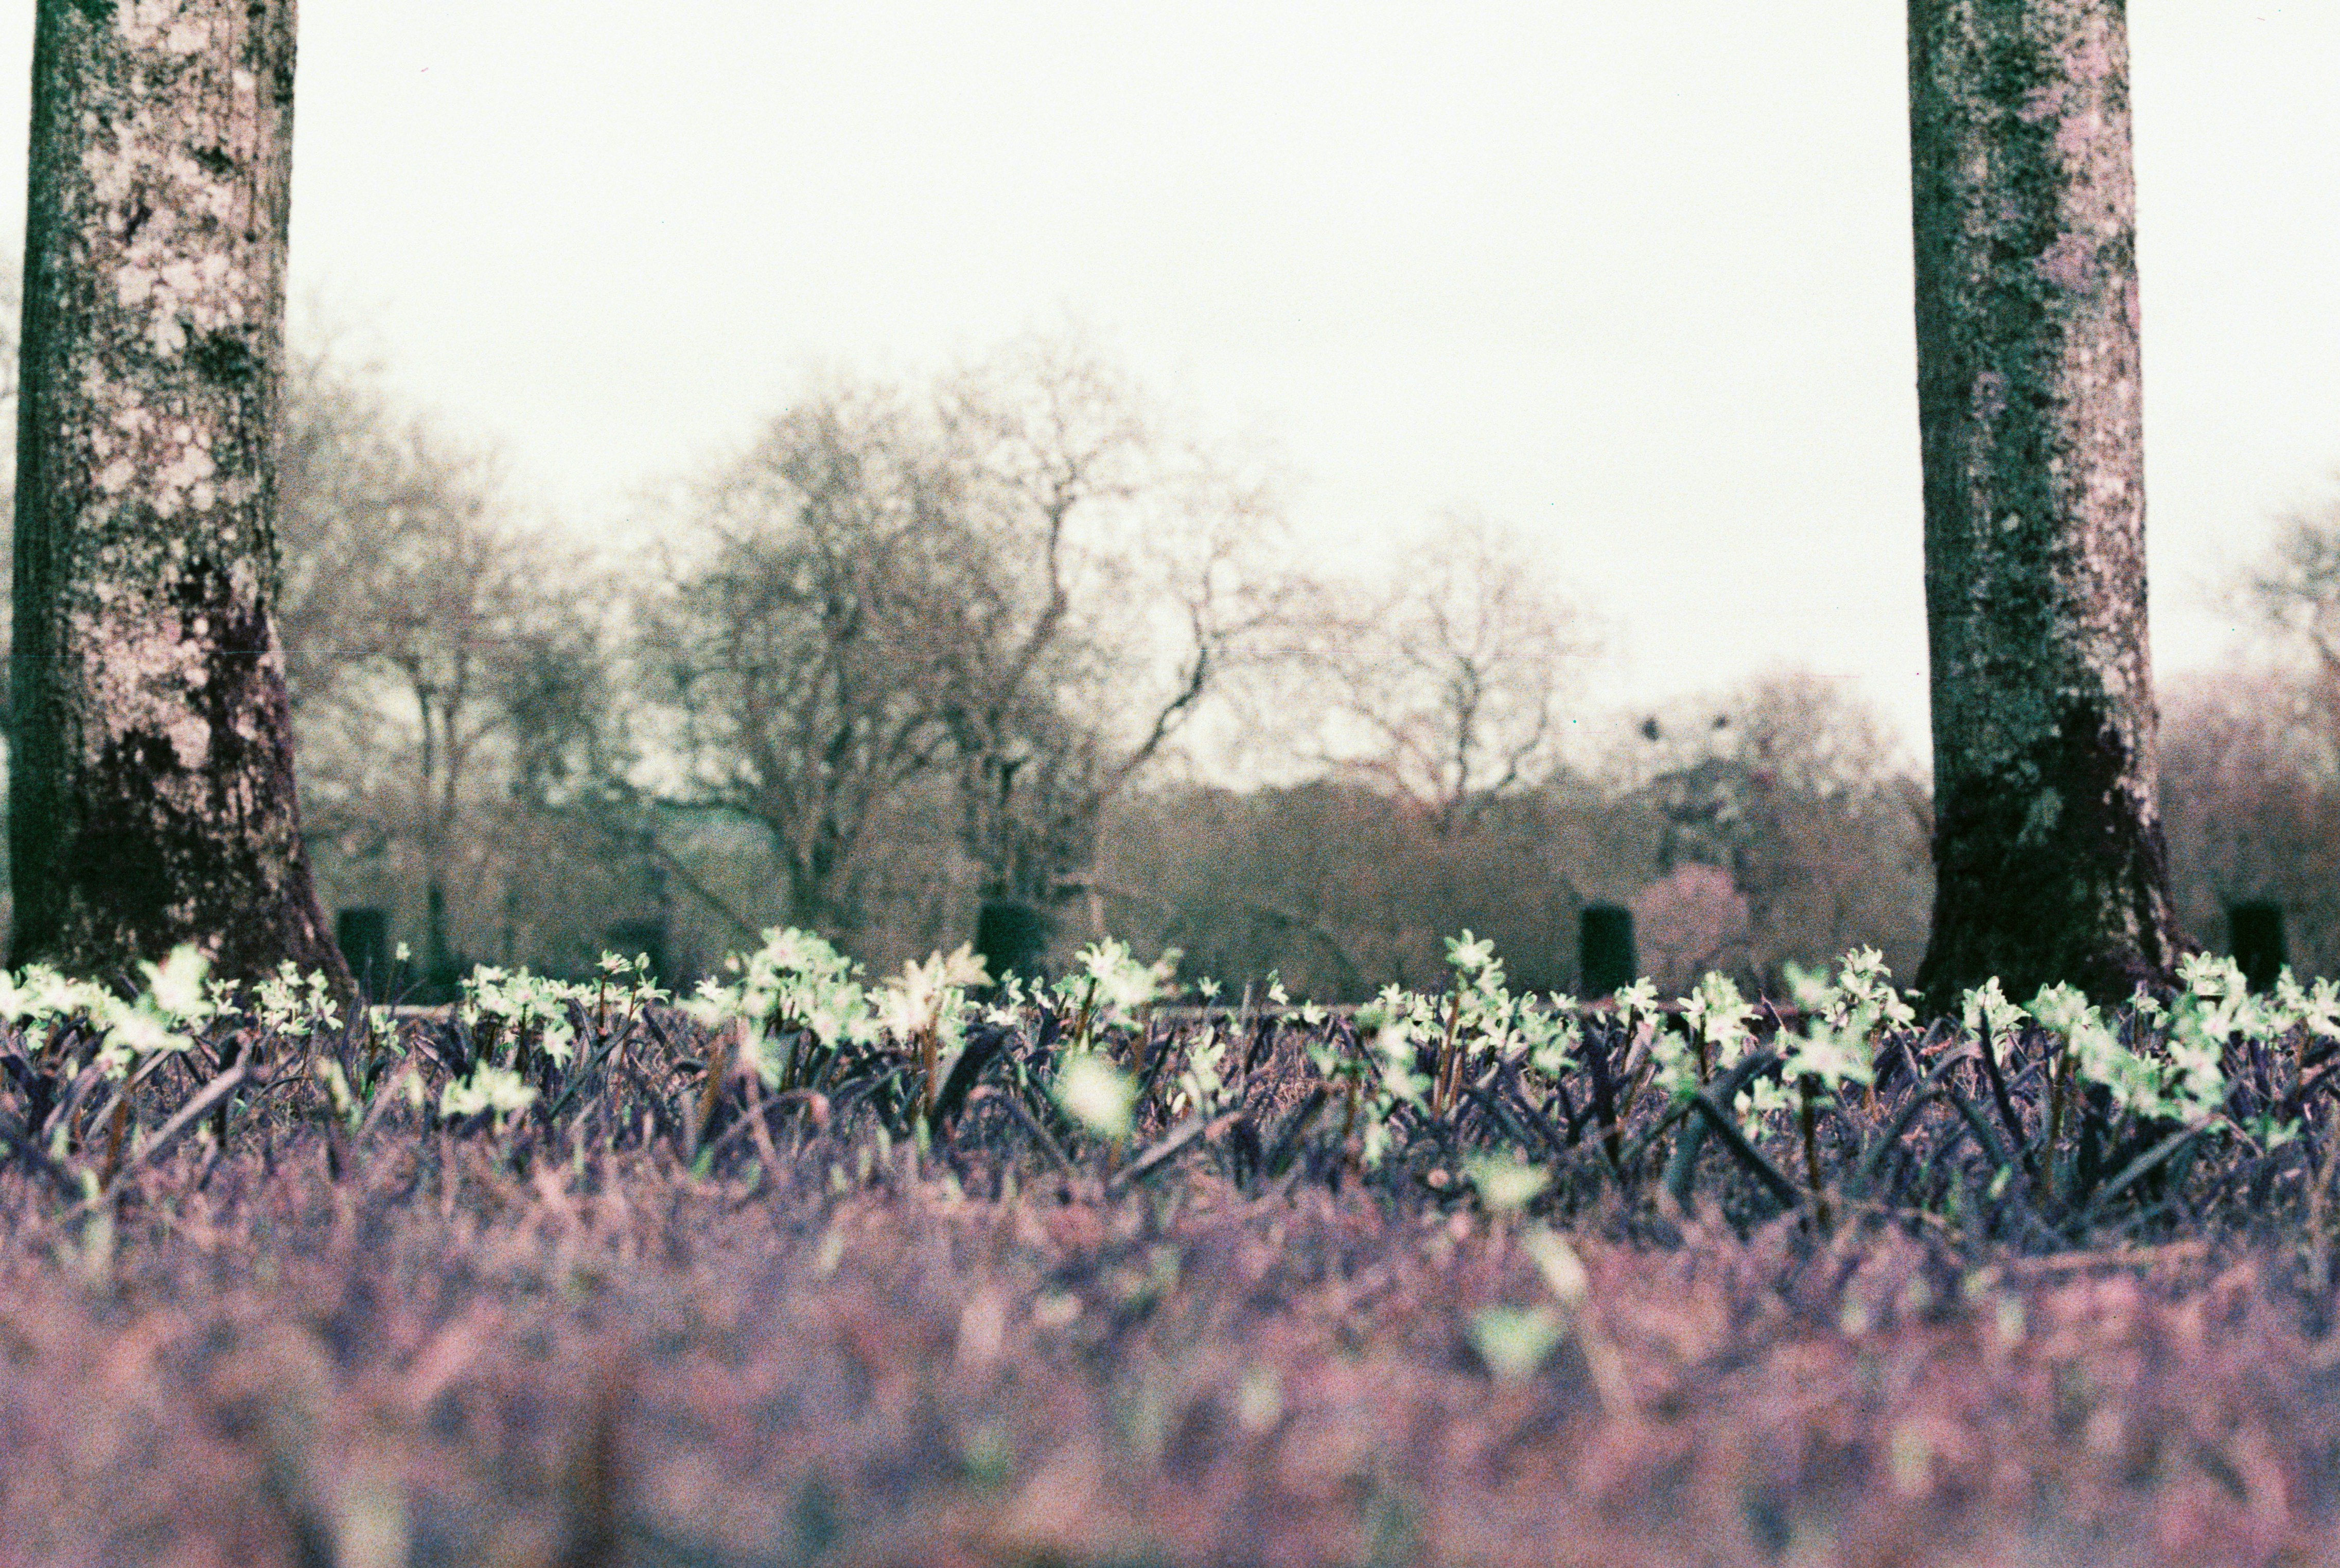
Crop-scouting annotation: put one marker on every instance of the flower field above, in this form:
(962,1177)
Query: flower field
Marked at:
(809,1269)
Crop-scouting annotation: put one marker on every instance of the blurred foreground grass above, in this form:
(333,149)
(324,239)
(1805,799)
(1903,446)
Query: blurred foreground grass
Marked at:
(819,1272)
(436,1358)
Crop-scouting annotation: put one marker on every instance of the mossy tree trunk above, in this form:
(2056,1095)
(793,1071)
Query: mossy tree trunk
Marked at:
(2047,843)
(151,792)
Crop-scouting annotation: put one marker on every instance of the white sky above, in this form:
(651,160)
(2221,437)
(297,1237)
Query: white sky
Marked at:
(1631,278)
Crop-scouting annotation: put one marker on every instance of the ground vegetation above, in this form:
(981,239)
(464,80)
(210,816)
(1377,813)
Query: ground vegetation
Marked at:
(812,1269)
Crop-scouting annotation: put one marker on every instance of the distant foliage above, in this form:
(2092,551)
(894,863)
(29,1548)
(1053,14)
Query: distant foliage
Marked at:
(1688,920)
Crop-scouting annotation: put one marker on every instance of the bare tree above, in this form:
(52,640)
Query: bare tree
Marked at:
(1124,573)
(2295,593)
(2252,797)
(2250,774)
(2047,842)
(1020,579)
(152,790)
(1442,685)
(448,662)
(799,654)
(1341,889)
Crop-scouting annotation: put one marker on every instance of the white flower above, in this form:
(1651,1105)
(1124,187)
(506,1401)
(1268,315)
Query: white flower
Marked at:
(1809,989)
(1637,1000)
(134,1032)
(2319,1008)
(1715,1008)
(712,1004)
(1121,986)
(558,1041)
(1987,1007)
(1677,1063)
(489,1088)
(1862,966)
(1201,1083)
(16,1002)
(1552,1037)
(1513,1341)
(1394,1043)
(2211,975)
(929,998)
(1565,1274)
(45,994)
(176,986)
(1468,953)
(2064,1008)
(1835,1056)
(1758,1099)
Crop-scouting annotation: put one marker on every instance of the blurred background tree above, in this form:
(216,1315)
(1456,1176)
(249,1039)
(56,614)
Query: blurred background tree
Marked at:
(449,668)
(1773,824)
(1014,593)
(2251,805)
(1131,572)
(791,653)
(1013,639)
(2251,753)
(1442,685)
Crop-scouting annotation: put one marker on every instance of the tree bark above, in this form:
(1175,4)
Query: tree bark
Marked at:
(2048,845)
(150,767)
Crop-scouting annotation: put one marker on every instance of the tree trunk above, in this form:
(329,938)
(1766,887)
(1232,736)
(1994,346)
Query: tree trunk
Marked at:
(151,792)
(2047,845)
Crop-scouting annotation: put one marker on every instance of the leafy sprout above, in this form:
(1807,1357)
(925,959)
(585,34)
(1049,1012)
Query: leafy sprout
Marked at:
(1096,1095)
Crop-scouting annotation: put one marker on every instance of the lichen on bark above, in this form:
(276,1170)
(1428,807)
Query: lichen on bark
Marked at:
(2047,844)
(150,769)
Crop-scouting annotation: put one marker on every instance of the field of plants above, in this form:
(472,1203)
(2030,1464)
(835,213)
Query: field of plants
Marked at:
(808,1269)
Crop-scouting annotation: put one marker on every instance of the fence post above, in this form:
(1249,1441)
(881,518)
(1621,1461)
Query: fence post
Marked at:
(1604,949)
(2255,935)
(362,934)
(1011,936)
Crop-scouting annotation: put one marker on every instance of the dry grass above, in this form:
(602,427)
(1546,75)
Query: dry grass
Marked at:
(441,1358)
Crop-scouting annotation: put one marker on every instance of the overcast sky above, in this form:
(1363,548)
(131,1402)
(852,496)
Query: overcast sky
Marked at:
(1632,279)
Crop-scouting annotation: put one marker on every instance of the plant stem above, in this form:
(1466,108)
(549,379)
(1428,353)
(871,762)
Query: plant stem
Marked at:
(1081,1022)
(1808,1120)
(926,1051)
(718,1069)
(2319,1256)
(1441,1097)
(2059,1090)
